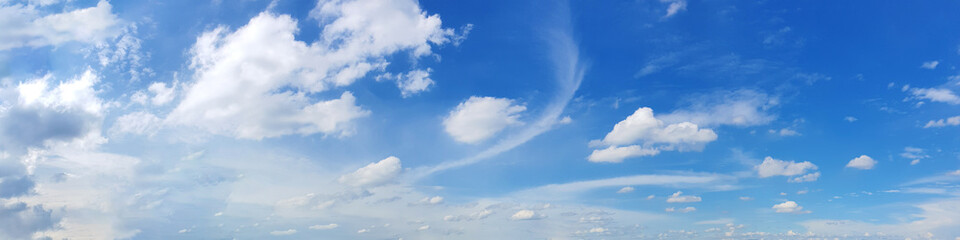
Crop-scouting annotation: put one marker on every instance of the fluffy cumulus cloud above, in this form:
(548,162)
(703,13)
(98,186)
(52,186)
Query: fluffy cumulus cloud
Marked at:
(28,26)
(526,215)
(862,162)
(677,198)
(257,81)
(374,174)
(479,118)
(651,136)
(774,167)
(789,207)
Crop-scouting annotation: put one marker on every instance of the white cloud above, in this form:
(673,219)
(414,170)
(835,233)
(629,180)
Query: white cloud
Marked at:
(161,93)
(930,64)
(935,94)
(257,81)
(324,227)
(681,210)
(374,174)
(675,7)
(789,207)
(614,154)
(862,162)
(25,26)
(140,123)
(643,127)
(805,178)
(677,198)
(479,118)
(414,82)
(626,190)
(785,132)
(432,200)
(951,121)
(737,108)
(850,119)
(745,198)
(774,167)
(283,232)
(526,215)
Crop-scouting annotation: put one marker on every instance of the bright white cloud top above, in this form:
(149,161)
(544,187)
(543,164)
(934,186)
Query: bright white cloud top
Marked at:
(269,119)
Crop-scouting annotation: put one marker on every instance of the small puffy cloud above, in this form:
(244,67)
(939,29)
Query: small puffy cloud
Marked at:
(789,207)
(479,118)
(913,153)
(930,64)
(680,210)
(862,162)
(374,174)
(677,198)
(674,7)
(283,232)
(951,121)
(850,119)
(625,190)
(785,132)
(745,198)
(774,167)
(643,127)
(615,154)
(414,82)
(26,26)
(161,93)
(526,215)
(423,228)
(324,227)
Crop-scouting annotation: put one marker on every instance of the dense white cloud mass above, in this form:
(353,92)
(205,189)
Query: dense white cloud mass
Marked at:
(643,127)
(951,121)
(374,174)
(254,82)
(677,198)
(862,162)
(26,26)
(479,118)
(35,112)
(789,207)
(774,167)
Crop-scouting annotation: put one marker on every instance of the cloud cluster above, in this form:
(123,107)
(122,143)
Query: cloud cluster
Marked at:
(863,162)
(650,135)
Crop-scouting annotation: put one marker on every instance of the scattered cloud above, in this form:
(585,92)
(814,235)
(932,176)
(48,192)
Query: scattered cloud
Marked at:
(374,174)
(526,215)
(625,190)
(850,119)
(677,198)
(479,118)
(742,108)
(680,210)
(789,207)
(930,65)
(862,162)
(674,7)
(773,167)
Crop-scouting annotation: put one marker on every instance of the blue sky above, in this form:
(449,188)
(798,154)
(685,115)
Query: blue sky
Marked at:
(399,119)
